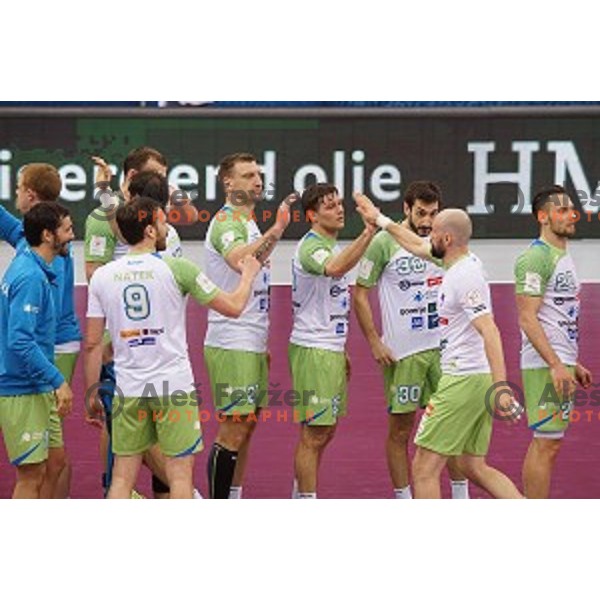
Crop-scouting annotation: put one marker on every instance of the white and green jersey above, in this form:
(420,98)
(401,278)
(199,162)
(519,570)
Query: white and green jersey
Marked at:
(464,296)
(229,229)
(321,303)
(143,298)
(102,245)
(408,293)
(546,272)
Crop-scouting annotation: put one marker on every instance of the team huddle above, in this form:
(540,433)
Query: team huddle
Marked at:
(440,349)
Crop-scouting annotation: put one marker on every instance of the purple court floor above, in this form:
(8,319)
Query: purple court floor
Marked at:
(354,465)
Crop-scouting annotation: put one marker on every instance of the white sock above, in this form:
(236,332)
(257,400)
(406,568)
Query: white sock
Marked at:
(197,495)
(236,493)
(403,494)
(295,490)
(460,490)
(307,496)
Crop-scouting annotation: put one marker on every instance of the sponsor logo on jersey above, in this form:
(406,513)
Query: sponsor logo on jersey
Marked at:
(419,296)
(435,281)
(337,290)
(147,341)
(533,283)
(404,312)
(365,269)
(418,324)
(433,321)
(340,329)
(443,321)
(405,284)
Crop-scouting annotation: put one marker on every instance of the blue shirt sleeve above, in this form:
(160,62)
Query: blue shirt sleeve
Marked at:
(11,229)
(25,309)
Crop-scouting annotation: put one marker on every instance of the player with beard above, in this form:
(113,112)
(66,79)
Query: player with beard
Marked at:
(549,305)
(235,351)
(30,383)
(409,352)
(36,183)
(473,389)
(142,299)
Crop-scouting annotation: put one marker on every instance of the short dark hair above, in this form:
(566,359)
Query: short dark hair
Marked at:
(543,197)
(228,163)
(137,158)
(427,191)
(148,184)
(134,217)
(45,216)
(43,179)
(313,195)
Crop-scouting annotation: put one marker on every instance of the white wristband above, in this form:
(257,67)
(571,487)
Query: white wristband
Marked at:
(383,222)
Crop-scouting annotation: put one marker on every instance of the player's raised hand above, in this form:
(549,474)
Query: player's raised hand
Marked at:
(366,209)
(104,174)
(64,399)
(284,212)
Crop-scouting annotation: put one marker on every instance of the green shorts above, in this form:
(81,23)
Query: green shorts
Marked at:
(410,382)
(25,422)
(320,384)
(238,380)
(548,414)
(172,423)
(65,363)
(457,420)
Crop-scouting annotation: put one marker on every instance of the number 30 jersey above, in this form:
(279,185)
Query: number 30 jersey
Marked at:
(143,298)
(408,295)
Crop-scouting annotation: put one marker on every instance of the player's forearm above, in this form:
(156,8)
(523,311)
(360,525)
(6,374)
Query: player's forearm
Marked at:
(346,260)
(495,354)
(364,315)
(409,240)
(11,229)
(535,333)
(262,248)
(236,301)
(92,363)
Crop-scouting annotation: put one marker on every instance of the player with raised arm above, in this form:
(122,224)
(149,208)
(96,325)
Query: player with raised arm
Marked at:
(409,351)
(235,351)
(103,244)
(549,304)
(142,298)
(321,299)
(473,389)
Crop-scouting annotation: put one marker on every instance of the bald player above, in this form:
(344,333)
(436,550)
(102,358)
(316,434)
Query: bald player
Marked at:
(458,420)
